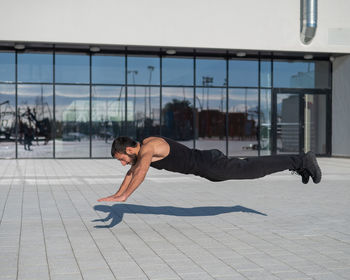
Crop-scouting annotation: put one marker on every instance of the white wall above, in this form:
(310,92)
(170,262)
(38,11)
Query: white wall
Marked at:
(228,24)
(341,107)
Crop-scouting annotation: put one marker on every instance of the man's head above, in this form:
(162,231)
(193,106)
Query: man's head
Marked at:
(125,150)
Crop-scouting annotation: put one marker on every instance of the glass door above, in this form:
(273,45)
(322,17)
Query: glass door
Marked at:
(299,122)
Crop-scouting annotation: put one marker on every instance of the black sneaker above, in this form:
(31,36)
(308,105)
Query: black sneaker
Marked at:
(311,167)
(305,176)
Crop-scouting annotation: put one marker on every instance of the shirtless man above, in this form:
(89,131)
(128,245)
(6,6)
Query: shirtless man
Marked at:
(164,153)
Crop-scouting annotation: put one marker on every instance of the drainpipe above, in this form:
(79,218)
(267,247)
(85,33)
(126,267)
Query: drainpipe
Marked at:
(308,20)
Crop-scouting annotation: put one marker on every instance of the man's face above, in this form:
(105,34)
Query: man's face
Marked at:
(126,158)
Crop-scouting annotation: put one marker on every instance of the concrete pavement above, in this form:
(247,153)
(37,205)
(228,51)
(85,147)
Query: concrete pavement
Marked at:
(173,227)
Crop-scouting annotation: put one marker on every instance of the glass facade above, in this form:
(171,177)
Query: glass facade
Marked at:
(72,105)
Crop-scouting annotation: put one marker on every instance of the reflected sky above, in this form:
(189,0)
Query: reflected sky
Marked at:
(244,101)
(108,69)
(147,70)
(243,73)
(7,67)
(72,68)
(293,74)
(211,98)
(212,68)
(35,68)
(177,71)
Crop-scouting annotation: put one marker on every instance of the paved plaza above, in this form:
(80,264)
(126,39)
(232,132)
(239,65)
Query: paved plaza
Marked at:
(173,227)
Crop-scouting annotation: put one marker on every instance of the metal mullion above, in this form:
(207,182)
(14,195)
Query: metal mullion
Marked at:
(259,101)
(34,83)
(160,93)
(178,86)
(301,123)
(54,103)
(16,104)
(227,105)
(194,101)
(273,133)
(108,85)
(90,106)
(73,84)
(125,126)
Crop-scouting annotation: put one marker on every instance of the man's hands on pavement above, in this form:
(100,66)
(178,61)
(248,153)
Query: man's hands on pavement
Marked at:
(117,198)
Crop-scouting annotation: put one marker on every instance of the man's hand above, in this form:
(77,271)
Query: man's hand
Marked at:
(118,198)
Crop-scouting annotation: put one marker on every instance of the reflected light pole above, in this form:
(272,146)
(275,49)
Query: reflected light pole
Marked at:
(150,68)
(206,83)
(134,72)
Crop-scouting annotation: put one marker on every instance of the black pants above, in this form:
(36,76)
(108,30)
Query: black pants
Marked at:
(221,168)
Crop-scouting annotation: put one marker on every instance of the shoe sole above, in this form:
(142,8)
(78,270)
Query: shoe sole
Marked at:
(318,176)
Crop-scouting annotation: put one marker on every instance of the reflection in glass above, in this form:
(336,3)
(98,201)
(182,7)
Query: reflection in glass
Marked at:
(7,67)
(72,121)
(146,68)
(265,122)
(265,73)
(35,115)
(177,114)
(210,72)
(297,74)
(288,123)
(243,122)
(177,71)
(72,68)
(210,116)
(7,121)
(143,119)
(35,68)
(108,115)
(108,69)
(315,123)
(243,73)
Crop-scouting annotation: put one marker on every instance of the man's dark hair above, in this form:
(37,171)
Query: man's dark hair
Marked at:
(119,145)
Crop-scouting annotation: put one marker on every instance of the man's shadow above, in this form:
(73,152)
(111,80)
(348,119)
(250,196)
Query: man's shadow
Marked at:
(117,211)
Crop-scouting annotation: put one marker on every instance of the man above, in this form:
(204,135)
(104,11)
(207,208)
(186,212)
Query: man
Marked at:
(164,153)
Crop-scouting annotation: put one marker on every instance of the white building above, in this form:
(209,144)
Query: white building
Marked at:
(215,55)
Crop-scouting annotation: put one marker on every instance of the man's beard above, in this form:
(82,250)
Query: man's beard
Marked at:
(133,158)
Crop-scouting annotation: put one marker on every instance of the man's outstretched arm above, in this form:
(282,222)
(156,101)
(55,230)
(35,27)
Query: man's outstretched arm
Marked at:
(122,188)
(138,174)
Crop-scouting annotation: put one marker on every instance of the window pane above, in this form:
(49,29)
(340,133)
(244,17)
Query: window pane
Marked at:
(7,121)
(35,68)
(177,71)
(143,119)
(315,123)
(35,116)
(108,115)
(72,68)
(297,74)
(210,113)
(177,114)
(108,69)
(265,73)
(243,122)
(72,121)
(265,122)
(7,67)
(210,72)
(145,69)
(243,73)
